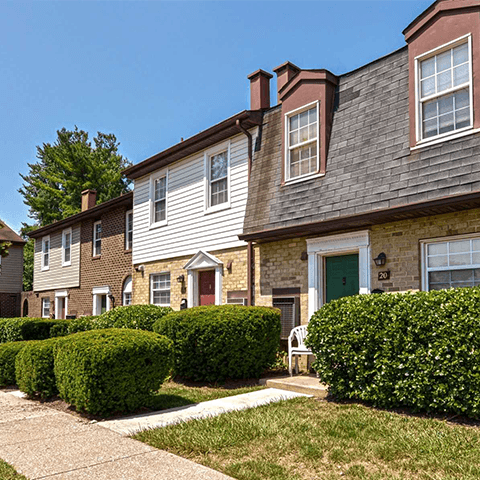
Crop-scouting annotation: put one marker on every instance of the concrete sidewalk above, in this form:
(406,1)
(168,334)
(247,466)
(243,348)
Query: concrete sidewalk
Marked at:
(42,443)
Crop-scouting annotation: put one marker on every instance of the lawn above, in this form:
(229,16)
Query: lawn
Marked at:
(8,473)
(310,439)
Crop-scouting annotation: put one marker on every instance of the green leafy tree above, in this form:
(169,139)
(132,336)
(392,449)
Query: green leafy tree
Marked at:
(28,252)
(4,247)
(52,189)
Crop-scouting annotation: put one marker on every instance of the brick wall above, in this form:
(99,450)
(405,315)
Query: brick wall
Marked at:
(9,305)
(233,280)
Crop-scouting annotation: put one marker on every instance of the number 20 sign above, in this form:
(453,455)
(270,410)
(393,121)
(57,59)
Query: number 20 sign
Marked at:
(384,275)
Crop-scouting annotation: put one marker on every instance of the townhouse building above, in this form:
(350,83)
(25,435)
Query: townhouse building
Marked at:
(83,264)
(11,273)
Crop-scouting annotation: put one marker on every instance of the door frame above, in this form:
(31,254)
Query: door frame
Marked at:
(61,294)
(330,246)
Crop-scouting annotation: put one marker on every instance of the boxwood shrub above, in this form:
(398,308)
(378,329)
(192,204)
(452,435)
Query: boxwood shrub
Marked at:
(8,352)
(213,343)
(420,350)
(103,371)
(138,317)
(34,368)
(24,328)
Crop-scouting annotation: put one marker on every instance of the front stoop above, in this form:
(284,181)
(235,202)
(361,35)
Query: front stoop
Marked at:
(308,384)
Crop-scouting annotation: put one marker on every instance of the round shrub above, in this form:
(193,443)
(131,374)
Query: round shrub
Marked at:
(104,371)
(213,343)
(34,368)
(8,352)
(138,317)
(420,350)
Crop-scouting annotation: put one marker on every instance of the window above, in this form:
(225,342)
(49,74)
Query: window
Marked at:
(218,178)
(45,253)
(160,289)
(454,263)
(159,201)
(127,291)
(129,230)
(302,142)
(67,247)
(45,307)
(97,238)
(444,90)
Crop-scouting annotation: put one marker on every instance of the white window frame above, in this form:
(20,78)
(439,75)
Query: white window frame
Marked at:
(128,244)
(45,240)
(153,178)
(43,307)
(424,267)
(64,247)
(419,101)
(124,292)
(98,292)
(288,148)
(60,294)
(161,289)
(223,147)
(94,250)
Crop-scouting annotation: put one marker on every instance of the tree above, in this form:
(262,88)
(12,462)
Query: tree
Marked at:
(28,256)
(53,187)
(4,247)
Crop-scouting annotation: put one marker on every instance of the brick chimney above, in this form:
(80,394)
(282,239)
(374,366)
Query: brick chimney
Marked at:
(89,199)
(259,89)
(285,72)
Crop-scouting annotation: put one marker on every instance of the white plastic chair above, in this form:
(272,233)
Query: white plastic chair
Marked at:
(299,333)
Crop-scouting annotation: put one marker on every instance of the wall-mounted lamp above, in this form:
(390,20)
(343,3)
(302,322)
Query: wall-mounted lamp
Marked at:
(380,260)
(140,268)
(229,265)
(304,256)
(181,279)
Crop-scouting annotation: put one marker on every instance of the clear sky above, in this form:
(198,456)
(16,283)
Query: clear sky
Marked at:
(152,72)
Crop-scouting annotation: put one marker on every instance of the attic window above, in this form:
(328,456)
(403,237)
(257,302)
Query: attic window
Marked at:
(302,142)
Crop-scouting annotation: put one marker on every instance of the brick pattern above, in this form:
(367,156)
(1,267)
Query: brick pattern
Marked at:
(369,164)
(233,279)
(9,305)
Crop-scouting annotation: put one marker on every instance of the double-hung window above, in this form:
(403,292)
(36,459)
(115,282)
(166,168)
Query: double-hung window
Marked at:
(217,178)
(45,308)
(67,247)
(452,263)
(129,230)
(302,142)
(97,238)
(160,289)
(46,253)
(444,90)
(158,196)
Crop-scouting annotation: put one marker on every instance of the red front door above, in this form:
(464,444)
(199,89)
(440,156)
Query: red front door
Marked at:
(207,287)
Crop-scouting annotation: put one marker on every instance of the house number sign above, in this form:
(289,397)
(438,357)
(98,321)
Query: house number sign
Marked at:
(384,275)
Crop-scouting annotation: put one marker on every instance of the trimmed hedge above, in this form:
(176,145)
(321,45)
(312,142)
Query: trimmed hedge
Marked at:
(34,368)
(420,350)
(213,343)
(138,317)
(24,328)
(103,371)
(8,352)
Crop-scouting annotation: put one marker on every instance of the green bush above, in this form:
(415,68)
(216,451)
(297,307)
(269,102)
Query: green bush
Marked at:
(218,342)
(82,324)
(8,352)
(34,368)
(18,329)
(139,317)
(109,370)
(420,350)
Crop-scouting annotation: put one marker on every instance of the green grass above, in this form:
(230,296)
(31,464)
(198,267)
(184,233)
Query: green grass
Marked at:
(174,394)
(308,439)
(8,473)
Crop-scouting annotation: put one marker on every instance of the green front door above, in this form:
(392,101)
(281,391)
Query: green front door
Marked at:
(341,276)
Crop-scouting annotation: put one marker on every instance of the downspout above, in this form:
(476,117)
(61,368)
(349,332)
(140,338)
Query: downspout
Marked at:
(250,252)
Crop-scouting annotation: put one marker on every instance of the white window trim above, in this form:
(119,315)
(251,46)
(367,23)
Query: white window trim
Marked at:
(153,178)
(128,247)
(49,307)
(97,291)
(64,234)
(223,147)
(151,289)
(307,176)
(45,239)
(420,141)
(125,292)
(60,294)
(94,252)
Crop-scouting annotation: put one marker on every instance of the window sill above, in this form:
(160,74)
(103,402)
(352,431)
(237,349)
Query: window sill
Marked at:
(153,226)
(45,269)
(217,208)
(96,257)
(303,179)
(66,264)
(127,250)
(436,141)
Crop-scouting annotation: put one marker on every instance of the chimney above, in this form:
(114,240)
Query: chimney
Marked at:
(285,72)
(89,199)
(259,89)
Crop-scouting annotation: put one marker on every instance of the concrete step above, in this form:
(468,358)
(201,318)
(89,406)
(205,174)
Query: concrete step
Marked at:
(308,384)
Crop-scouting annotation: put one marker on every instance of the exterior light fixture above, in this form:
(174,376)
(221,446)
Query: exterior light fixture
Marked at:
(380,260)
(181,279)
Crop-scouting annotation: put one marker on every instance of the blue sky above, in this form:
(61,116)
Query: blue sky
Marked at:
(152,72)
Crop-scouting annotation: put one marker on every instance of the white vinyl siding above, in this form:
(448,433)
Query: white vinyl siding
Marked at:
(57,276)
(189,229)
(97,239)
(160,289)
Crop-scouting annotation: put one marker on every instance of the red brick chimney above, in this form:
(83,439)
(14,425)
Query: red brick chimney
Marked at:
(259,89)
(89,199)
(285,72)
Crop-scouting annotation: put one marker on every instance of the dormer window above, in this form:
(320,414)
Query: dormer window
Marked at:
(444,90)
(302,142)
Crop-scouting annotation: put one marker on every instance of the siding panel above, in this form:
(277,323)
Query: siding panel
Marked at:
(11,276)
